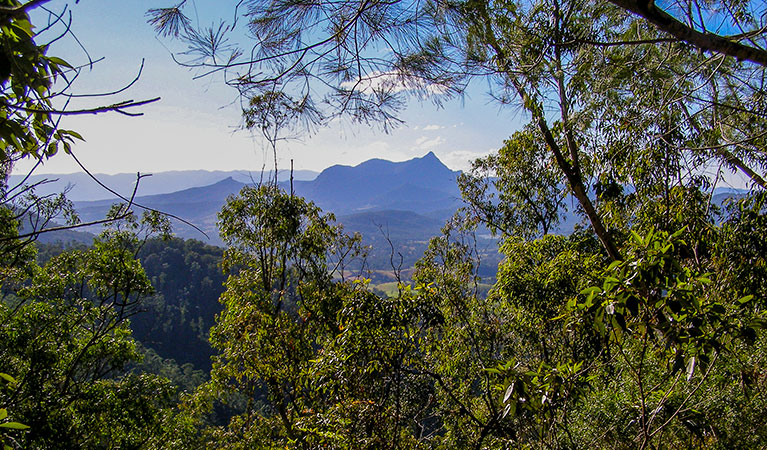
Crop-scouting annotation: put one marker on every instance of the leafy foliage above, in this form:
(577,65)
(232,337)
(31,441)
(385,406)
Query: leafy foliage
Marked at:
(519,191)
(27,75)
(66,339)
(649,323)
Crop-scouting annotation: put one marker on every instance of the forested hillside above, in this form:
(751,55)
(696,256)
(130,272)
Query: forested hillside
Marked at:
(643,328)
(188,279)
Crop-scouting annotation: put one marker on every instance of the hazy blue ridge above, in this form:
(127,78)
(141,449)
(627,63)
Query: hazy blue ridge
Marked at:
(84,188)
(378,184)
(422,190)
(405,201)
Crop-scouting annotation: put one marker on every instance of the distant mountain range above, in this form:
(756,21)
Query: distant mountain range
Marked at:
(396,206)
(83,188)
(420,185)
(403,201)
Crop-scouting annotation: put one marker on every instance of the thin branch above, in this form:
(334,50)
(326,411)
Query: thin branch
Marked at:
(131,202)
(65,227)
(116,107)
(118,91)
(689,396)
(615,43)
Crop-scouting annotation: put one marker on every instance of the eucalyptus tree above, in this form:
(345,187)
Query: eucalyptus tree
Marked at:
(307,358)
(700,24)
(519,191)
(642,331)
(65,336)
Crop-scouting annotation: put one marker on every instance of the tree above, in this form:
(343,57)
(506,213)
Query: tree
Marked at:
(66,337)
(647,346)
(308,359)
(65,327)
(188,280)
(636,323)
(699,26)
(519,191)
(277,303)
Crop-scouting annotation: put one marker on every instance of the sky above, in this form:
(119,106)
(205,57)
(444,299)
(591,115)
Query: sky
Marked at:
(195,125)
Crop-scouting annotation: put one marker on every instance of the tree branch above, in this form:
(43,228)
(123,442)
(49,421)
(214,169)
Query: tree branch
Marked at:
(65,227)
(131,201)
(116,107)
(702,40)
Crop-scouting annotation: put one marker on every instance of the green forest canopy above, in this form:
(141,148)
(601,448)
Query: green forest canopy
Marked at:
(644,329)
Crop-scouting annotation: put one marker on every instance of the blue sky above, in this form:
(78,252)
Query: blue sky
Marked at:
(195,125)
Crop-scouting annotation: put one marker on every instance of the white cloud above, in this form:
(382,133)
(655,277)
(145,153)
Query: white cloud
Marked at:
(432,127)
(424,143)
(462,159)
(392,82)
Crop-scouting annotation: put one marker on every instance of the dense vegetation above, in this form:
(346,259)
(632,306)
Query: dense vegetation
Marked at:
(644,328)
(187,279)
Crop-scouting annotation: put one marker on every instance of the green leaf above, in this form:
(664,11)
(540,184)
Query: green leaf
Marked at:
(678,233)
(591,290)
(746,299)
(599,325)
(23,29)
(59,62)
(7,378)
(14,425)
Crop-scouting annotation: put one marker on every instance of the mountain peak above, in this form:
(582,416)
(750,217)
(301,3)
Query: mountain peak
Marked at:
(429,162)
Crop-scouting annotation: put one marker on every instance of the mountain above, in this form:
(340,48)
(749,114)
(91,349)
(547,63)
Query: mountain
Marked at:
(410,199)
(722,197)
(421,185)
(84,188)
(197,205)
